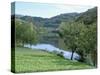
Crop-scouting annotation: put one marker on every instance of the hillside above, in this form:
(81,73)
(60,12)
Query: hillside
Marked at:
(56,20)
(88,17)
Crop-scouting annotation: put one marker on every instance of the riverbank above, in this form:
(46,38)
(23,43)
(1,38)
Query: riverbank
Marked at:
(33,60)
(56,50)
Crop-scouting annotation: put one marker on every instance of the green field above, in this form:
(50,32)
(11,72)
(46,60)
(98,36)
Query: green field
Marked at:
(28,60)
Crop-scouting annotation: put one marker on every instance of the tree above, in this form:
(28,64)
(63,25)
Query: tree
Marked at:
(82,39)
(31,34)
(70,32)
(25,32)
(19,31)
(88,43)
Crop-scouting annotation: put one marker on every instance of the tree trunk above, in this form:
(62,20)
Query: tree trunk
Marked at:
(72,54)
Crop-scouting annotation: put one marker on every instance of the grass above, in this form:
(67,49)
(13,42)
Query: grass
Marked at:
(28,60)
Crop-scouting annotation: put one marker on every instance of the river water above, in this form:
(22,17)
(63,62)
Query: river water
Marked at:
(50,48)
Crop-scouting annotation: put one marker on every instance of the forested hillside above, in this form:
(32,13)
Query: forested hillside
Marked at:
(88,17)
(56,20)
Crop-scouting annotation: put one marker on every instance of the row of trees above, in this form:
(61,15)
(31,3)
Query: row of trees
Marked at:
(82,39)
(25,32)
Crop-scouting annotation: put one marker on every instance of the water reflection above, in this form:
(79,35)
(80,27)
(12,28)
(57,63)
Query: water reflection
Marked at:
(51,48)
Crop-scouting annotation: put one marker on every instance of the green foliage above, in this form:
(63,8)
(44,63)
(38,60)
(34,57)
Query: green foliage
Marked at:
(88,42)
(89,38)
(71,34)
(25,32)
(82,39)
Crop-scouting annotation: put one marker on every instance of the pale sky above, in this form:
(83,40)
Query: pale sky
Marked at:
(47,10)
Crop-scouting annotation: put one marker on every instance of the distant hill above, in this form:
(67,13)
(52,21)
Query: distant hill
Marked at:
(49,22)
(88,17)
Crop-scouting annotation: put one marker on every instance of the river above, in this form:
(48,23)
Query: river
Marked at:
(50,48)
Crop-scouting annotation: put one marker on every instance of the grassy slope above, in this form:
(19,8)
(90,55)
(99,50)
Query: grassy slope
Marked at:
(28,60)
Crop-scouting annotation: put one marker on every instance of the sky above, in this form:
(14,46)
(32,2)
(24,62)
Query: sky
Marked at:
(47,10)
